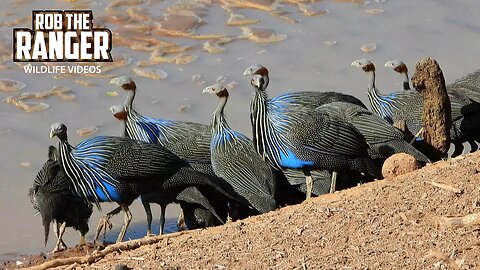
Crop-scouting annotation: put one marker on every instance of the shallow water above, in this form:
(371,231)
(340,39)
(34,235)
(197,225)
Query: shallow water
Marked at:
(408,30)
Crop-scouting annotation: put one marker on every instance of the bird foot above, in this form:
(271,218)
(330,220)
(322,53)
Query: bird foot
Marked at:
(82,241)
(149,234)
(103,224)
(59,248)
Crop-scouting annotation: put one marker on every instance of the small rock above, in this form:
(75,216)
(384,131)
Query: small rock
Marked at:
(399,164)
(184,108)
(330,43)
(221,79)
(374,11)
(87,131)
(26,164)
(369,47)
(196,77)
(122,267)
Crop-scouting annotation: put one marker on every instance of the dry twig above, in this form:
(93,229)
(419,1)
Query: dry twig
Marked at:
(123,246)
(467,220)
(446,187)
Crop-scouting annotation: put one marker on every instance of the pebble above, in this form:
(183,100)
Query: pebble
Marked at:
(87,131)
(184,108)
(369,47)
(374,11)
(26,164)
(122,267)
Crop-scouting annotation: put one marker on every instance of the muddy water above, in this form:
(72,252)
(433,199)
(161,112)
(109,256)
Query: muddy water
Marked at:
(407,30)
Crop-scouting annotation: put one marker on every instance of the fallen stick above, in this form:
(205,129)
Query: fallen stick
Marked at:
(446,187)
(444,258)
(95,256)
(468,220)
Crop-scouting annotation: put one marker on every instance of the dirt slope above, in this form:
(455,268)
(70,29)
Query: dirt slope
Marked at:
(396,223)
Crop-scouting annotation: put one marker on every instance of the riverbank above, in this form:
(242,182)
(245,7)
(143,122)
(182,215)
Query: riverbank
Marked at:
(426,219)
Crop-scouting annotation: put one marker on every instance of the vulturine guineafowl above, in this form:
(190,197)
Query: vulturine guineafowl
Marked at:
(311,99)
(188,140)
(384,140)
(163,198)
(407,105)
(466,89)
(292,136)
(52,195)
(189,199)
(235,160)
(402,69)
(115,169)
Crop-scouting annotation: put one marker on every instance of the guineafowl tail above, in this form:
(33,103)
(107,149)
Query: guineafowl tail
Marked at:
(366,165)
(46,220)
(262,204)
(404,147)
(186,176)
(385,150)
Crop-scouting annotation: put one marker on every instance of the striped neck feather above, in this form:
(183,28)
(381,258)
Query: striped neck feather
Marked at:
(380,104)
(267,126)
(85,166)
(147,129)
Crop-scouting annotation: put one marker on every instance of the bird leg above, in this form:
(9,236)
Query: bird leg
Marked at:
(128,218)
(473,145)
(105,222)
(334,182)
(56,228)
(162,217)
(148,211)
(82,240)
(181,222)
(458,149)
(60,245)
(309,181)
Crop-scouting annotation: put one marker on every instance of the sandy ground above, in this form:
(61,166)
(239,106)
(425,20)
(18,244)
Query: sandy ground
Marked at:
(397,223)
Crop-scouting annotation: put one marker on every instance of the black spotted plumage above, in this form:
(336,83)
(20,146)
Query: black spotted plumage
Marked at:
(384,140)
(464,94)
(234,159)
(53,197)
(120,169)
(189,140)
(311,99)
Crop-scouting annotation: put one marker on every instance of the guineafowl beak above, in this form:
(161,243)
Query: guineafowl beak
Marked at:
(257,81)
(207,90)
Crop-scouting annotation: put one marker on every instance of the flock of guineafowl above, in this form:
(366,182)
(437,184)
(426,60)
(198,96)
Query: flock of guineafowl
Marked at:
(303,143)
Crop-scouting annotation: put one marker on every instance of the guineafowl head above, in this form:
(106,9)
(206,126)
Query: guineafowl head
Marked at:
(59,130)
(364,64)
(126,83)
(217,89)
(256,69)
(397,65)
(119,112)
